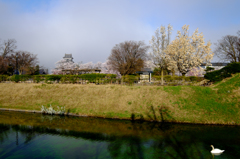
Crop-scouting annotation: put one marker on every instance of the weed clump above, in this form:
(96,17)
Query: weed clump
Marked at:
(50,110)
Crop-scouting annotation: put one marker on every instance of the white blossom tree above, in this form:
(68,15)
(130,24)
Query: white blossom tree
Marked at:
(159,43)
(187,52)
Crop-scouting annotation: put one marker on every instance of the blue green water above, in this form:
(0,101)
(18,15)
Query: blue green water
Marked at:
(26,135)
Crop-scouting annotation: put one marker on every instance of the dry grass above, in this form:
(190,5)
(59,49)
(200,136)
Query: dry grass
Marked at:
(101,100)
(171,103)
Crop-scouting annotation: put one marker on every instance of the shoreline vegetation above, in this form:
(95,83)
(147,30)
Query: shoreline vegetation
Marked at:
(217,104)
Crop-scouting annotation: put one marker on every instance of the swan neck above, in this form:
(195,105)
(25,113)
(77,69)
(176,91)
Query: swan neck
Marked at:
(212,147)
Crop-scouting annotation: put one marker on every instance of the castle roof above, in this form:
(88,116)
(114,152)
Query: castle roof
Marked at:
(68,56)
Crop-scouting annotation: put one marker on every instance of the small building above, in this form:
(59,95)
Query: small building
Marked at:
(215,65)
(68,57)
(43,71)
(145,75)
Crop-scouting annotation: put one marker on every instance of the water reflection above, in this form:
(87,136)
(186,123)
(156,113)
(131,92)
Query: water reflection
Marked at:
(24,135)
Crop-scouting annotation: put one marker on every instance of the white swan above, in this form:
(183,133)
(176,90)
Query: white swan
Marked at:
(216,151)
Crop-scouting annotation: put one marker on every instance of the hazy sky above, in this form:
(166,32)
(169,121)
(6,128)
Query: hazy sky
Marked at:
(90,29)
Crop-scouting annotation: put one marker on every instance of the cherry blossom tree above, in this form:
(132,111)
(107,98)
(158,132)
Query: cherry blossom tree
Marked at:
(159,43)
(98,65)
(64,65)
(88,65)
(187,52)
(106,68)
(149,64)
(196,71)
(69,65)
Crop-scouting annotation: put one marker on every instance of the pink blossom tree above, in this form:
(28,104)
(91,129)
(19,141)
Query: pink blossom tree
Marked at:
(69,65)
(88,65)
(196,71)
(64,65)
(107,69)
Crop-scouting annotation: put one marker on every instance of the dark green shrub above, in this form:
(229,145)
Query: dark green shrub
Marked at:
(111,76)
(200,79)
(168,78)
(188,78)
(209,69)
(91,78)
(233,67)
(3,78)
(130,79)
(73,78)
(193,78)
(24,78)
(179,78)
(15,78)
(63,79)
(37,78)
(53,78)
(157,78)
(225,72)
(213,76)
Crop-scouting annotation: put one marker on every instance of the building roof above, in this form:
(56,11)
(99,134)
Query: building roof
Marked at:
(149,70)
(68,56)
(216,64)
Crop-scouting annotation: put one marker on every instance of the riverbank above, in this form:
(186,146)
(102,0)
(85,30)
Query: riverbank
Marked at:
(218,104)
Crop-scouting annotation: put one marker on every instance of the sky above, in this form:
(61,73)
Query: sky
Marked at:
(90,29)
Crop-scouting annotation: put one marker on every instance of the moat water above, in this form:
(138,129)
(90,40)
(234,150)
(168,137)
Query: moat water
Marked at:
(28,135)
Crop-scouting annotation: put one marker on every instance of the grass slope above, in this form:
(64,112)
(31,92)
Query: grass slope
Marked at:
(218,104)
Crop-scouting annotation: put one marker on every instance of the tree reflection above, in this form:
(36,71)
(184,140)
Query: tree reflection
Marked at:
(117,139)
(27,131)
(4,129)
(176,146)
(126,147)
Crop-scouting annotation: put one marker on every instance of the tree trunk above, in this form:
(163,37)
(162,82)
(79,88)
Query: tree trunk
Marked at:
(173,72)
(162,77)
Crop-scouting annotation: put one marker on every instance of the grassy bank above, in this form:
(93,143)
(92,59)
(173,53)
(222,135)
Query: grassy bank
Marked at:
(218,104)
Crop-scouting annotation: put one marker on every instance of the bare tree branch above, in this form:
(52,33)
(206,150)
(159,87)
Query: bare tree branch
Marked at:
(159,43)
(23,60)
(128,57)
(8,47)
(228,48)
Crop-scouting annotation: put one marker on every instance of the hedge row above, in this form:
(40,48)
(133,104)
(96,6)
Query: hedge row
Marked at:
(225,72)
(91,78)
(169,78)
(57,78)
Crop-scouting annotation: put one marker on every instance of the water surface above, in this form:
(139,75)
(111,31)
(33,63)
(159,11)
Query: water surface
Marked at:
(27,135)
